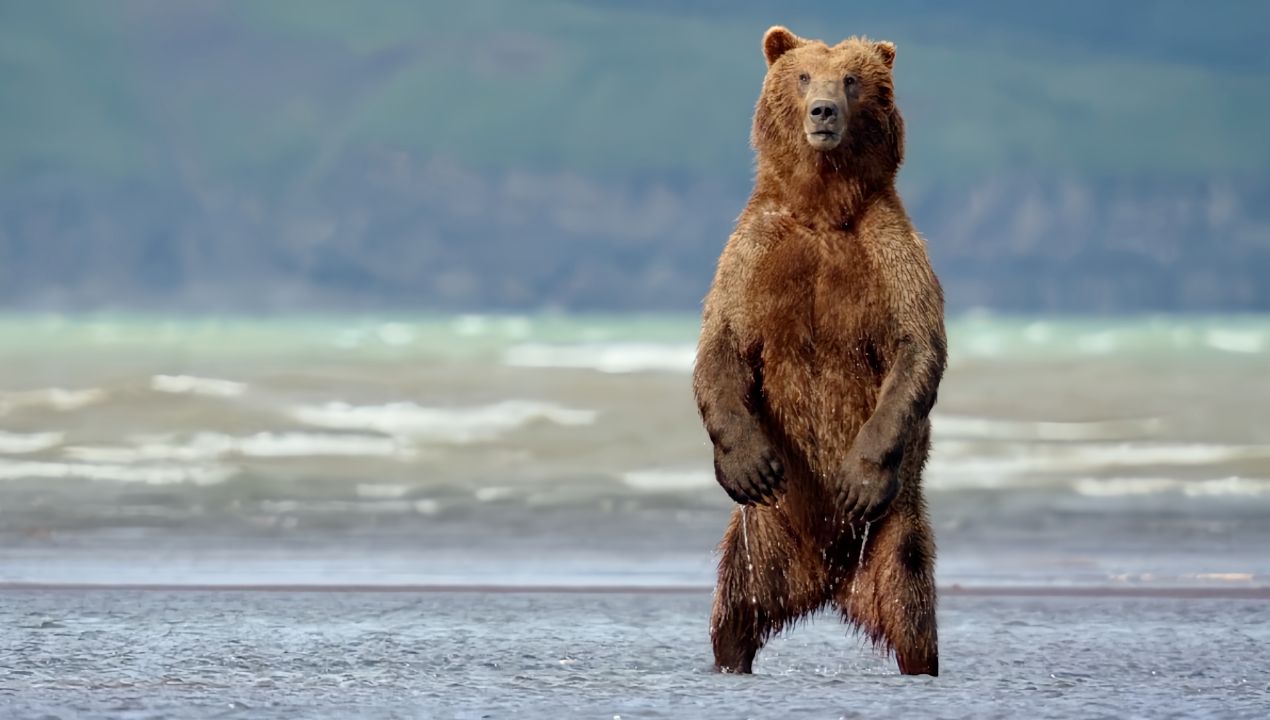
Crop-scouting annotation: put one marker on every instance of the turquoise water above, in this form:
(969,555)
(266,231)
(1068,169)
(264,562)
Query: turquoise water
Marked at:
(971,335)
(566,450)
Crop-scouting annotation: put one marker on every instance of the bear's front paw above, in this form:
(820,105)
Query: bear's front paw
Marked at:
(866,487)
(750,471)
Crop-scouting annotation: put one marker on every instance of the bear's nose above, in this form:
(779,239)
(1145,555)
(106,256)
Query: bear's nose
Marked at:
(824,110)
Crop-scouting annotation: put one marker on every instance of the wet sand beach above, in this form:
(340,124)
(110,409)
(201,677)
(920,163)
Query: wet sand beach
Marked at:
(128,653)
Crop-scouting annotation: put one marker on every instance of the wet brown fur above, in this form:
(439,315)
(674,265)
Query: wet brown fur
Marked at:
(823,340)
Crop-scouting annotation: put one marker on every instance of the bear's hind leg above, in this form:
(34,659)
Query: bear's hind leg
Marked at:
(892,597)
(763,586)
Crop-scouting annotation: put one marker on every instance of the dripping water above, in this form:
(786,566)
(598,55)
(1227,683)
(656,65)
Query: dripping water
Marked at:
(859,564)
(749,561)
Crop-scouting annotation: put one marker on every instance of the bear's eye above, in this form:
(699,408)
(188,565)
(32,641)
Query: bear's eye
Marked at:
(804,78)
(849,80)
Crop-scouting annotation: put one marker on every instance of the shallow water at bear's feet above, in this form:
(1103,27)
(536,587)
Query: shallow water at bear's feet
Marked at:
(138,654)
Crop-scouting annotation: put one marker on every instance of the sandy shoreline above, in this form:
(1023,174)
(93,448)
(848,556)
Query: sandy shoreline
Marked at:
(1259,592)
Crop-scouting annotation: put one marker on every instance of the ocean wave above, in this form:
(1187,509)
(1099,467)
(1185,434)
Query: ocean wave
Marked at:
(382,491)
(982,336)
(617,357)
(511,326)
(1031,457)
(21,443)
(191,385)
(962,465)
(1235,341)
(210,446)
(957,426)
(968,465)
(56,398)
(159,474)
(669,480)
(1103,342)
(343,507)
(1120,487)
(492,494)
(316,444)
(447,425)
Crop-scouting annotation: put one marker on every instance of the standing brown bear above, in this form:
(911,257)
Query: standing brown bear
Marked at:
(821,351)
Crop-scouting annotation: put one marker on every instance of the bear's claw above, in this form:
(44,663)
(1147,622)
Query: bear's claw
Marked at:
(866,491)
(750,474)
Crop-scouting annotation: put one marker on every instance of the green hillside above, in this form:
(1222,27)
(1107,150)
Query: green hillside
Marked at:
(292,154)
(275,91)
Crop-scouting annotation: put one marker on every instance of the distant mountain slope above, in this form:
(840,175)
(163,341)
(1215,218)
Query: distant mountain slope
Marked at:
(503,153)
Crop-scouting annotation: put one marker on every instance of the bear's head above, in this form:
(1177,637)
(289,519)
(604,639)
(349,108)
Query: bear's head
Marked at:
(832,106)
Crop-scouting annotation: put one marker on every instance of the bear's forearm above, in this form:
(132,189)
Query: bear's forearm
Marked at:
(723,384)
(908,394)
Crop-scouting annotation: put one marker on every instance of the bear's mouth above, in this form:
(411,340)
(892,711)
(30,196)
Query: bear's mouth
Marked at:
(823,139)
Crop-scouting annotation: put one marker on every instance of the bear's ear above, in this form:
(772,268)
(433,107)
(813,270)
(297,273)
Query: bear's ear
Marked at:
(777,41)
(887,50)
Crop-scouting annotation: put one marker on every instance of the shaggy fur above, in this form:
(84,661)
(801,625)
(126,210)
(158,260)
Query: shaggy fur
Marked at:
(821,351)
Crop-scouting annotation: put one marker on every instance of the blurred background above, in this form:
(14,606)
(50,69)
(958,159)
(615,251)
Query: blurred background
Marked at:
(402,292)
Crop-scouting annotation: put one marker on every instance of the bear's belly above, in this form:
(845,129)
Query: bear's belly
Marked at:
(815,400)
(815,316)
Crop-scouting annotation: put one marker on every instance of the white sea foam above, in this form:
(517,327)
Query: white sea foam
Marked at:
(956,426)
(158,474)
(382,491)
(342,507)
(59,399)
(490,494)
(979,344)
(19,443)
(1119,487)
(1098,343)
(509,326)
(191,385)
(1235,341)
(627,357)
(316,444)
(1240,577)
(210,446)
(1076,456)
(446,425)
(1038,333)
(958,465)
(663,480)
(396,334)
(199,448)
(470,325)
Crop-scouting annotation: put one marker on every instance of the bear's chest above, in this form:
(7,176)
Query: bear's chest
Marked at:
(816,295)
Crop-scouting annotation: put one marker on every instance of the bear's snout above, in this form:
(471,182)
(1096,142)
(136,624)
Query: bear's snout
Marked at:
(823,123)
(824,111)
